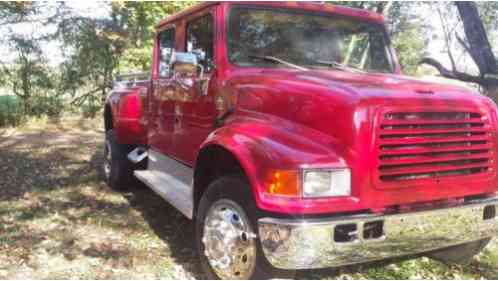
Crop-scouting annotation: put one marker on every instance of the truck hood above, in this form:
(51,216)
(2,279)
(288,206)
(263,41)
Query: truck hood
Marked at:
(384,86)
(316,98)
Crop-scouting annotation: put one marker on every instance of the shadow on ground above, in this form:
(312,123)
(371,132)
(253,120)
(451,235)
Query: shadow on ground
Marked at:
(168,224)
(59,220)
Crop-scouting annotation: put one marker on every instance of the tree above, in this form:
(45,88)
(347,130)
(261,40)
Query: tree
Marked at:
(12,12)
(137,20)
(24,70)
(96,50)
(27,73)
(476,44)
(407,33)
(93,48)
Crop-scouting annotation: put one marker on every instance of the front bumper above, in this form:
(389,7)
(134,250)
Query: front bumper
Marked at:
(319,243)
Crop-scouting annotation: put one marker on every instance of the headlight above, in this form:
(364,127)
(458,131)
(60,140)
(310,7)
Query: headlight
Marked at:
(327,183)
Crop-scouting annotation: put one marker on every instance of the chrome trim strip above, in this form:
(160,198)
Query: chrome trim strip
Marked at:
(306,244)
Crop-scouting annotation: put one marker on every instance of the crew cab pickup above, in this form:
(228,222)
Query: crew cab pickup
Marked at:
(289,135)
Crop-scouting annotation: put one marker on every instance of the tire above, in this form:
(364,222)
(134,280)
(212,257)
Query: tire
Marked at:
(461,254)
(118,170)
(234,194)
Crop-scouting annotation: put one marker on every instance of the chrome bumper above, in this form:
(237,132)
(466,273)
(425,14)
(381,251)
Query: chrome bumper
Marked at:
(319,243)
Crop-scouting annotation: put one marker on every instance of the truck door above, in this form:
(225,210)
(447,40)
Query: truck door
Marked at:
(195,110)
(161,104)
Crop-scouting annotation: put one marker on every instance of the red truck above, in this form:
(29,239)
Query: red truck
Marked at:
(289,135)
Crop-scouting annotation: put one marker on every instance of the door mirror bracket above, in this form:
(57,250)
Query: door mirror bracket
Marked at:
(188,66)
(187,63)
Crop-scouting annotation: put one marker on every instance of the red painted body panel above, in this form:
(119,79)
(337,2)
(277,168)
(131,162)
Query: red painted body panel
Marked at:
(289,119)
(129,120)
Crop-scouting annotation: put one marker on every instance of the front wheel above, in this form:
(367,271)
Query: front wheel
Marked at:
(225,234)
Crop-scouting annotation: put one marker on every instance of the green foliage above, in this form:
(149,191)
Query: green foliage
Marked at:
(27,75)
(137,20)
(489,16)
(94,50)
(377,6)
(10,111)
(47,105)
(407,33)
(410,47)
(90,108)
(12,12)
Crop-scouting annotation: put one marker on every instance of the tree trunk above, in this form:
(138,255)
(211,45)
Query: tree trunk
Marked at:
(383,7)
(478,47)
(492,92)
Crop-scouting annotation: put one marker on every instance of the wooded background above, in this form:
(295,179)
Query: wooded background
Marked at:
(93,50)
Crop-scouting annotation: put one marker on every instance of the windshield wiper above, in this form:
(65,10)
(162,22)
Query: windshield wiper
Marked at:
(277,60)
(337,65)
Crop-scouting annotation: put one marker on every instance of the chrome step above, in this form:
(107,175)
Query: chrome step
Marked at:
(137,155)
(171,180)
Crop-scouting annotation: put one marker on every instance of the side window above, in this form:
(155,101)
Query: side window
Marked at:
(166,49)
(200,40)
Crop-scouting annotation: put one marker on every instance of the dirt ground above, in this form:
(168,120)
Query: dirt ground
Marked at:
(58,220)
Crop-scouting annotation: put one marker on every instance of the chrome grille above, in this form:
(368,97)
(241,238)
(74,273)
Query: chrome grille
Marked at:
(418,145)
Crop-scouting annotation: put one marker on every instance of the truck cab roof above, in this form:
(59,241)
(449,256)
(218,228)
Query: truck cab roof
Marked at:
(318,7)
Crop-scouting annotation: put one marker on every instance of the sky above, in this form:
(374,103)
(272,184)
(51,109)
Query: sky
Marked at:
(92,9)
(89,8)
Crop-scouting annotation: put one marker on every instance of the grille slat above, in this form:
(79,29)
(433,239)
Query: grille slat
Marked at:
(426,140)
(433,159)
(408,132)
(430,149)
(414,145)
(432,169)
(432,122)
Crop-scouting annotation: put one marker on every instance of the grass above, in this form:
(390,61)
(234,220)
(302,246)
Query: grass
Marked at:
(58,220)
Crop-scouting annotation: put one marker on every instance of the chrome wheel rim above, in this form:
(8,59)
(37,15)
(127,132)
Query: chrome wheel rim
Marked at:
(107,159)
(228,240)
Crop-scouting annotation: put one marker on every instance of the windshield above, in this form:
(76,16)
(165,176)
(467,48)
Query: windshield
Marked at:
(306,39)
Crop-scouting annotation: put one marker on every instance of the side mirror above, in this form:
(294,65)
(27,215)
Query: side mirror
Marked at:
(186,63)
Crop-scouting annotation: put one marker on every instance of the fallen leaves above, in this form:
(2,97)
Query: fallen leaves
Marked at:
(58,220)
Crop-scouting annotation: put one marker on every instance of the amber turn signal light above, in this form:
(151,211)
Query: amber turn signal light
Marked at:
(284,183)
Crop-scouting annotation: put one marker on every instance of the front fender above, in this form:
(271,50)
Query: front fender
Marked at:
(261,147)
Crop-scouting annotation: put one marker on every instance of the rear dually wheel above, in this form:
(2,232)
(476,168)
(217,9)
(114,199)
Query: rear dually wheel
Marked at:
(118,170)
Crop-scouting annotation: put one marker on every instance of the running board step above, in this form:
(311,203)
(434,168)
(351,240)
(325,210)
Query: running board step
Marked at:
(171,179)
(170,189)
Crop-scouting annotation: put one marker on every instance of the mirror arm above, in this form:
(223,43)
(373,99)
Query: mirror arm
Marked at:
(201,75)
